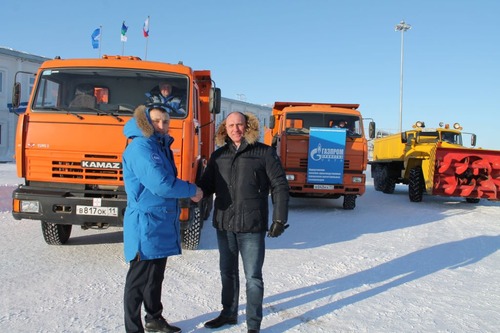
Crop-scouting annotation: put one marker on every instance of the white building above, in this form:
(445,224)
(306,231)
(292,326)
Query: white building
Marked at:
(231,105)
(13,67)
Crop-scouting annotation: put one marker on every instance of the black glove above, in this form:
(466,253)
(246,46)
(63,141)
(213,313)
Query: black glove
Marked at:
(277,228)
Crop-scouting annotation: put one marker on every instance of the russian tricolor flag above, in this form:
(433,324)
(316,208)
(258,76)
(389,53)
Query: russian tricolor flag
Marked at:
(145,28)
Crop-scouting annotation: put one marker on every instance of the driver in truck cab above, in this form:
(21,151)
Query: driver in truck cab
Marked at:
(344,124)
(163,94)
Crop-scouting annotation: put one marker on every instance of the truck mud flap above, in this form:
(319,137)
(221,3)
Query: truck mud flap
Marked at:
(463,172)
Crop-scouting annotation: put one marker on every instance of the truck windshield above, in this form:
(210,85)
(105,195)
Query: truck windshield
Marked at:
(299,123)
(106,90)
(451,137)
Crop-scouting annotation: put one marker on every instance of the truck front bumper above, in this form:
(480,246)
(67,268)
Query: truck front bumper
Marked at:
(87,208)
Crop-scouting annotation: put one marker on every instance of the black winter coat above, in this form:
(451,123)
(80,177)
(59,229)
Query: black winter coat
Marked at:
(241,180)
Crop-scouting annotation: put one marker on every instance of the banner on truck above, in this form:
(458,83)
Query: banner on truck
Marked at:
(326,155)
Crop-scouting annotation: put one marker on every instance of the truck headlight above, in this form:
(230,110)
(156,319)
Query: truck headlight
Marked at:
(357,179)
(290,177)
(30,206)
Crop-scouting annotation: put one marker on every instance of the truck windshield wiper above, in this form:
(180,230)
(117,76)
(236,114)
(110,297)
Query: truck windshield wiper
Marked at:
(110,113)
(74,114)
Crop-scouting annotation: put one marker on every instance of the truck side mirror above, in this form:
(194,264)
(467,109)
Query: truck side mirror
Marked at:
(215,100)
(272,122)
(404,137)
(371,129)
(16,95)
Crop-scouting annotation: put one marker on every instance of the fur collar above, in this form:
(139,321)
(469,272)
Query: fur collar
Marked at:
(251,134)
(143,122)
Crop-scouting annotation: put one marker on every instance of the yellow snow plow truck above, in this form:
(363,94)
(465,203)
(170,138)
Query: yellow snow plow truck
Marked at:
(434,161)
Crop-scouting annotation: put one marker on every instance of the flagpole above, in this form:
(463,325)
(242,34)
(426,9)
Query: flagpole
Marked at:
(147,37)
(100,41)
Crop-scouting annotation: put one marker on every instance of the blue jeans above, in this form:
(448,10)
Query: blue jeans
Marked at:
(252,248)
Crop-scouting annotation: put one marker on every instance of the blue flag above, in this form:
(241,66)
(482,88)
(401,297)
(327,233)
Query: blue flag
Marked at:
(96,36)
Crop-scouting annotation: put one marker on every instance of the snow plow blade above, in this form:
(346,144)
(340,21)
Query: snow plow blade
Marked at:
(467,172)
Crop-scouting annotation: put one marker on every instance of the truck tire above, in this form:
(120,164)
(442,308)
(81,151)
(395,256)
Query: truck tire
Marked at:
(349,201)
(191,236)
(56,234)
(416,184)
(377,179)
(387,184)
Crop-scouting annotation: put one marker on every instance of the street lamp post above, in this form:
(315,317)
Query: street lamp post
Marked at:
(402,26)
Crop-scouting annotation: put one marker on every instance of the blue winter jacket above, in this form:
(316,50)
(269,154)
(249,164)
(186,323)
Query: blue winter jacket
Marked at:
(151,223)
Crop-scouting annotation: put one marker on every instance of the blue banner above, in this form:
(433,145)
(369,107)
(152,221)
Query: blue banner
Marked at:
(326,155)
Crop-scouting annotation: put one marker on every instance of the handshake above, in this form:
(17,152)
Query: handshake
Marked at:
(277,228)
(198,196)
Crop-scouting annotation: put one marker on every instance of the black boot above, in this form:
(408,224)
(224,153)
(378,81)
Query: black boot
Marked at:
(221,321)
(160,325)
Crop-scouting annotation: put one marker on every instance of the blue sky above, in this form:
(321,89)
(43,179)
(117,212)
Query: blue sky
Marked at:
(304,50)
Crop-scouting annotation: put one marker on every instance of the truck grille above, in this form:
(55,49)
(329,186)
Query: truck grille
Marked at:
(74,170)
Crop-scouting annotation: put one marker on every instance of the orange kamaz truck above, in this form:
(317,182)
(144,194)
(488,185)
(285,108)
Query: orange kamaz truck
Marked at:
(69,141)
(322,147)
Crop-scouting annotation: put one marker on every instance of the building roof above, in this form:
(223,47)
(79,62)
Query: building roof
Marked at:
(22,55)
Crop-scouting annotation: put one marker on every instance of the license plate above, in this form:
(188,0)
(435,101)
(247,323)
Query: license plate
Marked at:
(324,187)
(96,211)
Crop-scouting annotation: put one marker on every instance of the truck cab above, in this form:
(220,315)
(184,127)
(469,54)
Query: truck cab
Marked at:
(69,140)
(293,124)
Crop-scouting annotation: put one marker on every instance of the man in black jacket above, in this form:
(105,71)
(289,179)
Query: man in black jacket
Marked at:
(241,173)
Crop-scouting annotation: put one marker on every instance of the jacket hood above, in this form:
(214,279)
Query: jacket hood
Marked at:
(139,125)
(251,135)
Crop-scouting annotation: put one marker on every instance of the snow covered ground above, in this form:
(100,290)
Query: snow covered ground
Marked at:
(387,266)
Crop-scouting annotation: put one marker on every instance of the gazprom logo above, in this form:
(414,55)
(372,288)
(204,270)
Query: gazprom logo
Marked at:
(101,165)
(320,153)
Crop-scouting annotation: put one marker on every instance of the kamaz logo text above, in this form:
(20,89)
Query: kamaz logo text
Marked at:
(101,165)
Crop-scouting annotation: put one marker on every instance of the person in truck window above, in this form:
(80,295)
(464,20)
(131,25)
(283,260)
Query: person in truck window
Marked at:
(241,173)
(344,124)
(163,95)
(151,230)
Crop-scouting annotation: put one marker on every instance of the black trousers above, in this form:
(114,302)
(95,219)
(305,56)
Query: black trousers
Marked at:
(143,286)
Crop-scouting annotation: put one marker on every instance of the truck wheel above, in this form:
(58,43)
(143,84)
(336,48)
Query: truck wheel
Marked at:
(191,236)
(387,184)
(472,200)
(377,179)
(416,184)
(349,201)
(56,234)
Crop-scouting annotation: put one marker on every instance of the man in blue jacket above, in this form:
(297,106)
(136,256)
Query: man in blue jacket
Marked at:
(151,228)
